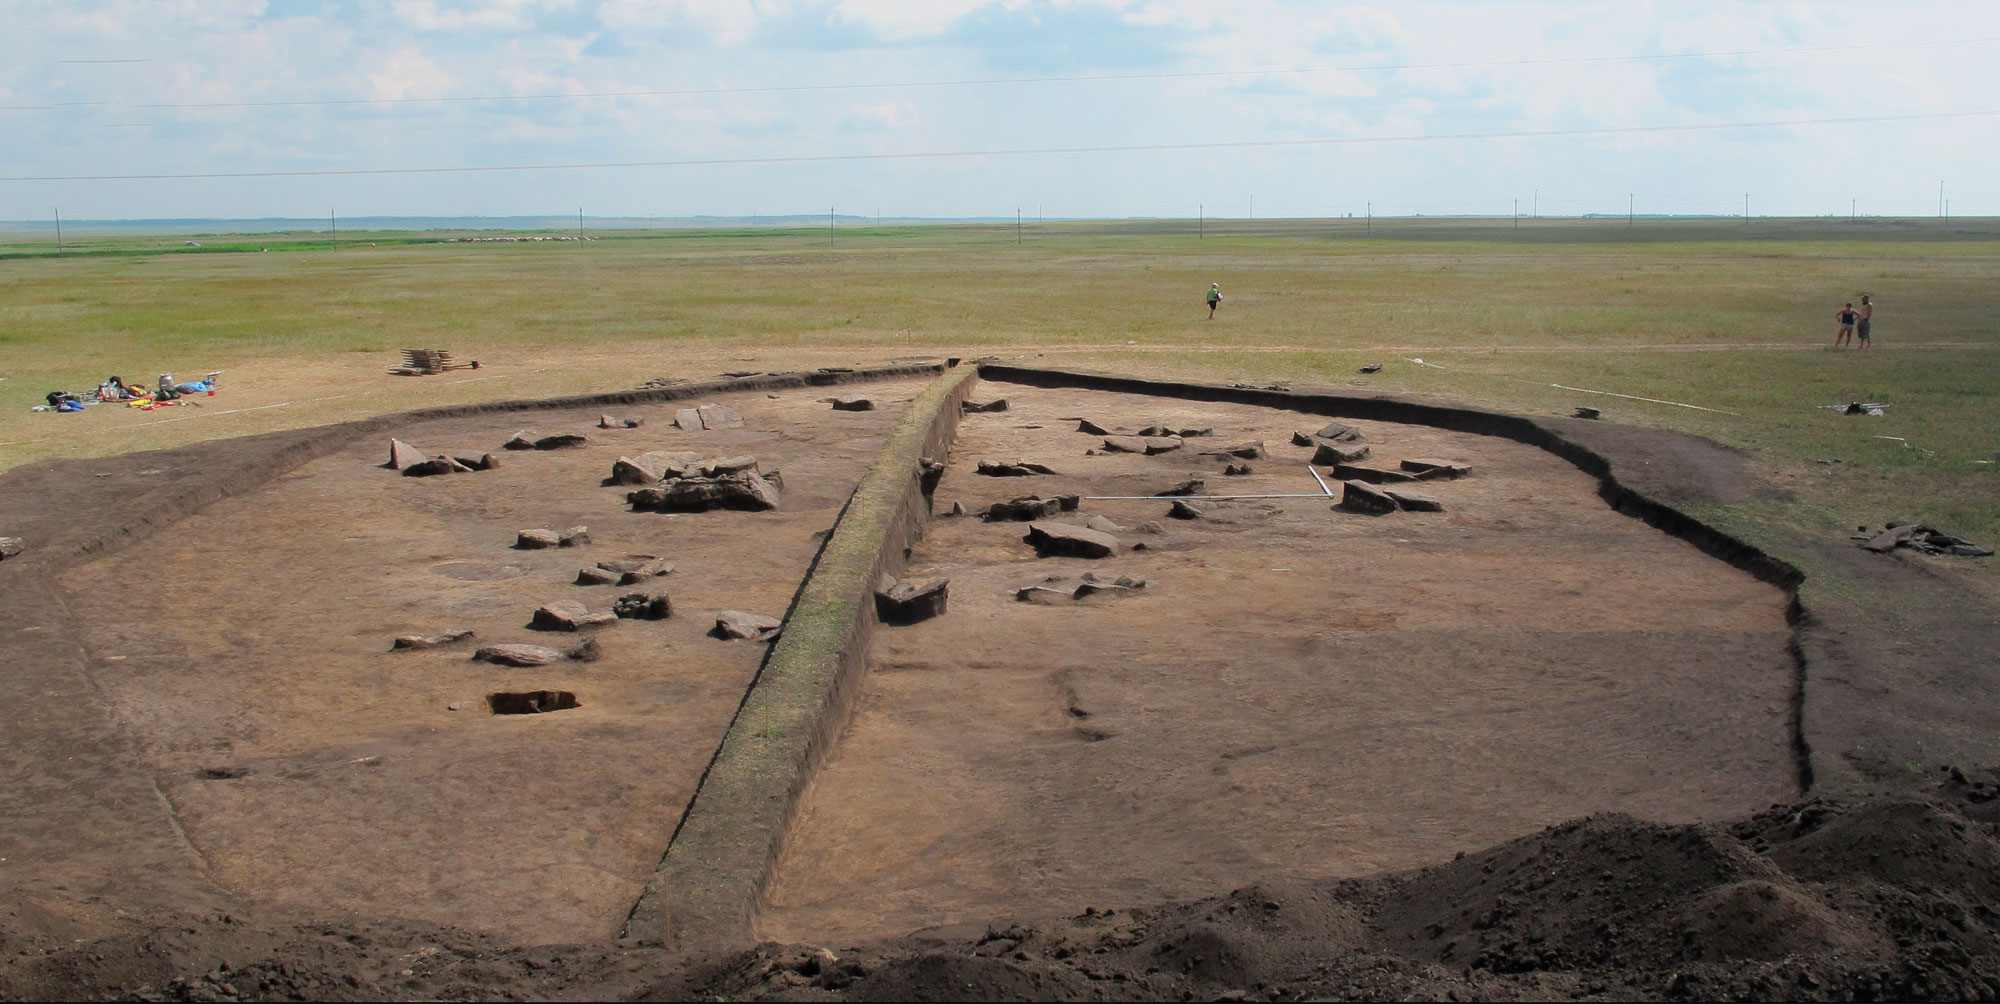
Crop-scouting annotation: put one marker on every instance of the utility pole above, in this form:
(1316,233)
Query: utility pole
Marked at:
(1370,224)
(1631,200)
(1940,200)
(1851,204)
(1535,207)
(1038,214)
(1017,226)
(335,224)
(59,246)
(1253,207)
(1746,207)
(829,226)
(1201,221)
(1517,214)
(579,224)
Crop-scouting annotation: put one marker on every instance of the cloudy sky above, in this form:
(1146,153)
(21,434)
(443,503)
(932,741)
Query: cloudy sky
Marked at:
(977,107)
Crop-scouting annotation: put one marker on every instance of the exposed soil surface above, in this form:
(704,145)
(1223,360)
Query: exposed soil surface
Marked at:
(1297,692)
(288,762)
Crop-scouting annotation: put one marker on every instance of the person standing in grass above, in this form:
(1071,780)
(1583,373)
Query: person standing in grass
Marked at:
(1214,299)
(1846,333)
(1862,315)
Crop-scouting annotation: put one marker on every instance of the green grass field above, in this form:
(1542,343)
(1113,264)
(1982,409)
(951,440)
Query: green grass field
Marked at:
(1728,316)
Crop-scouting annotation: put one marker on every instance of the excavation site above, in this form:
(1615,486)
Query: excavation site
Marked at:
(948,680)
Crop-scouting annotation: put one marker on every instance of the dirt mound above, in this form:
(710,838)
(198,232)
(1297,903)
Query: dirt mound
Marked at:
(1890,898)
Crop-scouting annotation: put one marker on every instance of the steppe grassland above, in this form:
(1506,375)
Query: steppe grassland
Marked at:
(1731,317)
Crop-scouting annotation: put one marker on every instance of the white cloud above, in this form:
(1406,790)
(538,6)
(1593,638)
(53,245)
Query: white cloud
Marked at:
(408,73)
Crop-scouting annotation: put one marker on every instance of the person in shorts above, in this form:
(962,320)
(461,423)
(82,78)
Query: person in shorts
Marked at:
(1862,315)
(1846,317)
(1214,298)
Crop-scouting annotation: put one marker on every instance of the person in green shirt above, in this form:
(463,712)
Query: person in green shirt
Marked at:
(1214,299)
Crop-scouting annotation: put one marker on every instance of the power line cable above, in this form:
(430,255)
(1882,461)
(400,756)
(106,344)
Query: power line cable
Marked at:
(773,89)
(1037,151)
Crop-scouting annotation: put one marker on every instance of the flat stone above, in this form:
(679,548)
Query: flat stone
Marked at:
(650,570)
(1066,539)
(1124,444)
(1360,496)
(11,546)
(402,455)
(518,655)
(742,490)
(1019,469)
(1301,439)
(1024,510)
(429,468)
(457,466)
(957,509)
(523,440)
(595,577)
(1161,444)
(1184,509)
(1414,501)
(478,461)
(1427,468)
(1042,595)
(1236,470)
(607,422)
(1192,486)
(1088,426)
(1241,451)
(910,601)
(1102,525)
(1328,454)
(737,625)
(416,641)
(644,606)
(1105,589)
(726,466)
(536,539)
(562,441)
(649,468)
(1340,432)
(1372,475)
(1150,526)
(689,419)
(720,416)
(997,404)
(575,536)
(1070,502)
(586,651)
(567,615)
(853,402)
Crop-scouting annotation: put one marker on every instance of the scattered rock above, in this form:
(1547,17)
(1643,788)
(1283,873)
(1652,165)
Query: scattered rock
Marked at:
(957,509)
(403,455)
(1236,470)
(1043,595)
(1340,432)
(997,404)
(929,473)
(1150,526)
(575,536)
(1414,501)
(11,546)
(1370,368)
(689,419)
(1301,439)
(741,490)
(1168,432)
(1583,412)
(518,655)
(1088,426)
(1122,586)
(1021,469)
(643,571)
(1161,444)
(1187,510)
(740,374)
(643,606)
(1360,496)
(1329,454)
(720,416)
(1065,539)
(1124,444)
(852,402)
(1927,539)
(478,461)
(1192,486)
(1069,503)
(719,468)
(536,539)
(531,702)
(650,468)
(587,651)
(428,468)
(1427,469)
(907,602)
(1372,475)
(607,422)
(1025,509)
(1241,451)
(595,577)
(415,641)
(523,440)
(735,624)
(1103,525)
(562,441)
(567,615)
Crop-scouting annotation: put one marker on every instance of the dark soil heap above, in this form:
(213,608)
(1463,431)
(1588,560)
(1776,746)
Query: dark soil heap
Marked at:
(1891,897)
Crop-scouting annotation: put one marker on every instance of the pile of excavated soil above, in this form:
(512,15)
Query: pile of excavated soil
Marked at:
(1884,898)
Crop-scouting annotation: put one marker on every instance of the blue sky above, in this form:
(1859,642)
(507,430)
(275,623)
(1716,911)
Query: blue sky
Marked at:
(127,87)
